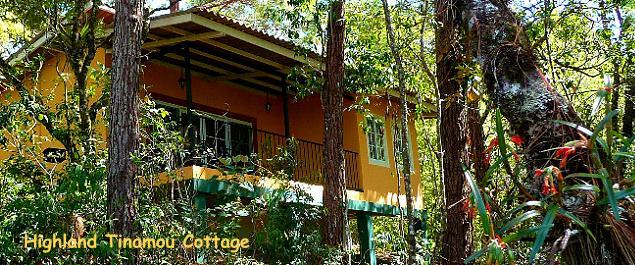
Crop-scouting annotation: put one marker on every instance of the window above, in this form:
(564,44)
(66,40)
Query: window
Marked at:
(398,143)
(225,136)
(376,136)
(220,135)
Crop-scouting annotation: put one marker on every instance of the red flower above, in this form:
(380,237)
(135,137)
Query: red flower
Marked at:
(564,152)
(468,209)
(488,208)
(546,188)
(517,140)
(500,242)
(491,145)
(539,172)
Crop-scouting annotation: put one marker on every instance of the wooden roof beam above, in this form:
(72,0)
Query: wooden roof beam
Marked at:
(213,25)
(224,72)
(280,67)
(238,76)
(190,37)
(232,63)
(205,76)
(170,20)
(255,72)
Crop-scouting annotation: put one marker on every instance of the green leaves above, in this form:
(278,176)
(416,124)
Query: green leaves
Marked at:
(500,133)
(610,195)
(476,255)
(602,172)
(543,231)
(618,195)
(478,200)
(496,165)
(587,187)
(601,126)
(600,95)
(519,220)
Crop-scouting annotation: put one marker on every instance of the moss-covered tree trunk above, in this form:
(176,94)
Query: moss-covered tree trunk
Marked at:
(530,104)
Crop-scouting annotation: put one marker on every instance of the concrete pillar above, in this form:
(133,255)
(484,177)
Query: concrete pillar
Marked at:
(367,245)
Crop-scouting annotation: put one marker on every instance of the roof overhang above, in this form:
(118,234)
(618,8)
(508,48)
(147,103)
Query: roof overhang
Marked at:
(225,50)
(104,12)
(220,48)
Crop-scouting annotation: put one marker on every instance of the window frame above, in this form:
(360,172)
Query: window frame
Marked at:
(202,116)
(371,160)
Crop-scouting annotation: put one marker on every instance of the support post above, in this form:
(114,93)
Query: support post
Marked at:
(285,106)
(188,93)
(367,245)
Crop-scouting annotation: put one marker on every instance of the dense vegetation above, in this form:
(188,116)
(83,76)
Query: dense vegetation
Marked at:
(528,158)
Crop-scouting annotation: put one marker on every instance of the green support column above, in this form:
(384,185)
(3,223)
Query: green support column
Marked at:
(365,229)
(200,202)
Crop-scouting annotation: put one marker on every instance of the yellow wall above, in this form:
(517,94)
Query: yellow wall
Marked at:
(379,183)
(52,86)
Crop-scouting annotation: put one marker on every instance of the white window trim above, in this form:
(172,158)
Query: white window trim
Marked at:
(202,128)
(410,148)
(377,162)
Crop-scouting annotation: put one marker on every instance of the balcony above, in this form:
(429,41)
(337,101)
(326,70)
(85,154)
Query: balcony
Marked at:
(308,156)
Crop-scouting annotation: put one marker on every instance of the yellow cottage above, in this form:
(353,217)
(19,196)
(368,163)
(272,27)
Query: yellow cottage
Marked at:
(232,80)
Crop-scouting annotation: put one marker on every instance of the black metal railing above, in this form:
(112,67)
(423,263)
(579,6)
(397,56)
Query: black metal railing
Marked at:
(308,156)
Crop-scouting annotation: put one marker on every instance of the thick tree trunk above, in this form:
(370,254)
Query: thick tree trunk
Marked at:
(516,84)
(335,227)
(527,100)
(405,149)
(457,236)
(124,108)
(476,141)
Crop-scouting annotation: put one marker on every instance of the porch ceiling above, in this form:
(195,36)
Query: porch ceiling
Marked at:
(224,50)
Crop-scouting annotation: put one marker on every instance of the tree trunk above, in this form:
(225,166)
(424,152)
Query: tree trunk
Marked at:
(335,227)
(476,141)
(457,236)
(530,104)
(81,51)
(405,149)
(124,109)
(629,110)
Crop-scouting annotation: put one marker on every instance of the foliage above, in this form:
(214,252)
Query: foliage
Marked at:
(554,204)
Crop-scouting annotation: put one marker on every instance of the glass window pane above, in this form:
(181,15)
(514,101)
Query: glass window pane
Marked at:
(241,139)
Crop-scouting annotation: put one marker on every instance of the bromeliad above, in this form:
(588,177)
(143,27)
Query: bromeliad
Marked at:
(548,184)
(564,153)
